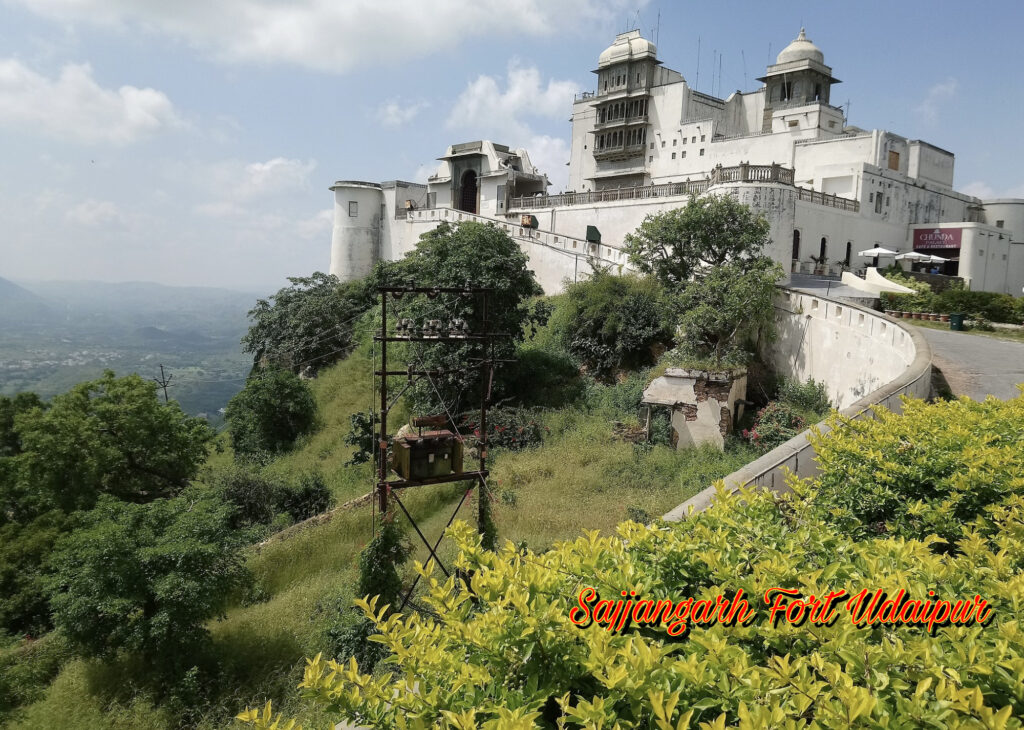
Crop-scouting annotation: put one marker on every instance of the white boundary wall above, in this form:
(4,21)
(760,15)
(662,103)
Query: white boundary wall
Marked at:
(865,357)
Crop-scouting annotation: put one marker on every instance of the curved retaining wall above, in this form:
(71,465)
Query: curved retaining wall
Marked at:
(865,357)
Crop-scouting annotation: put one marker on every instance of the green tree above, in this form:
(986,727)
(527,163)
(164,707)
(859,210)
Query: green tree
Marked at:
(727,308)
(613,322)
(144,579)
(676,245)
(107,436)
(10,443)
(25,550)
(273,409)
(310,321)
(110,436)
(481,255)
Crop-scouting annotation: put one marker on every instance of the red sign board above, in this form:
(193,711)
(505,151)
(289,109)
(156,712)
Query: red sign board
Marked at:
(926,238)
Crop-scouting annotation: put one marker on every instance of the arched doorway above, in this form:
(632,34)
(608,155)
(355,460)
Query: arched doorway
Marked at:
(467,196)
(849,253)
(796,245)
(823,249)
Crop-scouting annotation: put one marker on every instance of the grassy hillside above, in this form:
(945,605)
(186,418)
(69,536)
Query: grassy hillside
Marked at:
(581,477)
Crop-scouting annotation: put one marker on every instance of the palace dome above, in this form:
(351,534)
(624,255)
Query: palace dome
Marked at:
(801,50)
(627,47)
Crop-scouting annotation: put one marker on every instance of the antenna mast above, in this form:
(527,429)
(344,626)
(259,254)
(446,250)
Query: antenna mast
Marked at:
(696,83)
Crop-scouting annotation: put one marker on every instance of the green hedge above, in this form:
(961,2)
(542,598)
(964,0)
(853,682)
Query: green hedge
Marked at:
(989,305)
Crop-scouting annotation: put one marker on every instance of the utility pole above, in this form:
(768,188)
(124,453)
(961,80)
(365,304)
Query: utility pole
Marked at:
(163,382)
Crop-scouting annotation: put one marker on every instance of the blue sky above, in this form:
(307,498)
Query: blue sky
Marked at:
(193,142)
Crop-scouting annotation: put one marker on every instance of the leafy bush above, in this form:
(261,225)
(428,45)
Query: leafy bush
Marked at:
(610,323)
(621,400)
(508,428)
(928,471)
(728,307)
(253,494)
(775,424)
(273,409)
(922,300)
(261,499)
(26,670)
(145,578)
(361,435)
(981,322)
(990,305)
(379,561)
(308,497)
(351,639)
(638,514)
(661,427)
(810,396)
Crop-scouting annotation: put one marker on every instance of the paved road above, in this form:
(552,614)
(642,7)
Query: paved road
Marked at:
(976,365)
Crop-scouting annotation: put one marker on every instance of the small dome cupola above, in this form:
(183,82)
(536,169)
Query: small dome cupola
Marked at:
(801,49)
(627,46)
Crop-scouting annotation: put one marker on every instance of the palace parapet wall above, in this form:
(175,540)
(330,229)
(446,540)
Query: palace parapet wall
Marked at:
(865,358)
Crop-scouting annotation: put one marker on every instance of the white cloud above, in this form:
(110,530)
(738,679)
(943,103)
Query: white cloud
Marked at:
(334,36)
(935,99)
(397,113)
(423,173)
(550,155)
(985,191)
(978,189)
(503,112)
(274,176)
(317,225)
(96,213)
(229,188)
(485,105)
(73,106)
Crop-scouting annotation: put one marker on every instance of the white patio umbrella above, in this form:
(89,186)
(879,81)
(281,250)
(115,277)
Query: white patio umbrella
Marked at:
(876,252)
(937,260)
(913,256)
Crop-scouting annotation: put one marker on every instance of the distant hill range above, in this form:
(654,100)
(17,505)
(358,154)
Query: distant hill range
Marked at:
(18,303)
(182,313)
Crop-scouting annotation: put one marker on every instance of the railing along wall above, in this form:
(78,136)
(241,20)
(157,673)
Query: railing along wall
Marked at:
(640,192)
(602,252)
(831,200)
(742,173)
(797,455)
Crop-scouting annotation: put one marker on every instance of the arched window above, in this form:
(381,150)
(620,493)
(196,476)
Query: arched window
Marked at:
(849,253)
(467,199)
(796,245)
(823,248)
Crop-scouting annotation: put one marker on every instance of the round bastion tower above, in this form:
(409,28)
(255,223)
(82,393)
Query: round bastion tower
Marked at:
(355,240)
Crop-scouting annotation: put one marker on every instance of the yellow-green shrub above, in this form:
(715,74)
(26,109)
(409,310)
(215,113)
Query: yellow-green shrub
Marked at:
(499,650)
(927,471)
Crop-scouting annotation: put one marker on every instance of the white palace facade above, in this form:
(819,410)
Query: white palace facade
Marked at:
(645,141)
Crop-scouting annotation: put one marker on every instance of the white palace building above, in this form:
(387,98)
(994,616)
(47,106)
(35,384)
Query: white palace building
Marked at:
(645,141)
